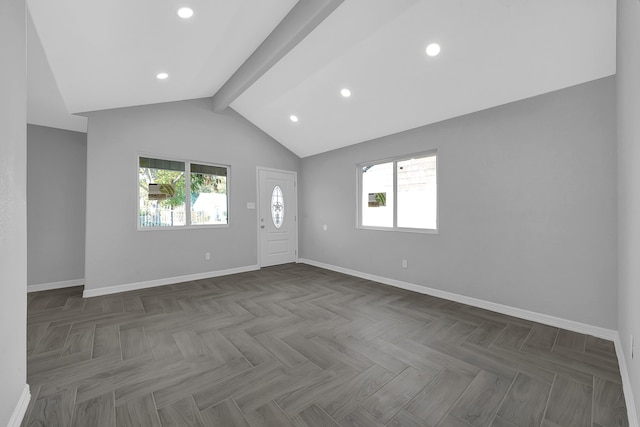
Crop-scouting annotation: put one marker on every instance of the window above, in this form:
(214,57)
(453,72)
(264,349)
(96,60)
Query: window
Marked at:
(168,196)
(208,194)
(277,207)
(399,194)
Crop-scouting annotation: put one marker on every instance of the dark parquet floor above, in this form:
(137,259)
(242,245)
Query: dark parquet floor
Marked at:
(296,345)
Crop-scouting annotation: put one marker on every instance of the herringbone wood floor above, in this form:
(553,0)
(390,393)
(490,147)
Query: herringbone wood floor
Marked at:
(295,345)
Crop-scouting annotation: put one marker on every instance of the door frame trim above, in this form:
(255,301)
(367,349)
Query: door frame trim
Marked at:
(295,190)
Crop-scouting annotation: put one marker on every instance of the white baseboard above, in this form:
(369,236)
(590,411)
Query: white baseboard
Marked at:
(21,408)
(626,383)
(55,285)
(608,334)
(167,281)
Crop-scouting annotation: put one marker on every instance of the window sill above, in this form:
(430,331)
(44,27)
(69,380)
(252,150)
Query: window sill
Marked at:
(183,227)
(401,230)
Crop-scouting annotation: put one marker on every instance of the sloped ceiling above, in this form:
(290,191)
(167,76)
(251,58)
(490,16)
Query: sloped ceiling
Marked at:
(106,55)
(45,104)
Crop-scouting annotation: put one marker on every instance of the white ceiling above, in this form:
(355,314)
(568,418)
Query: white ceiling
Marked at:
(106,55)
(45,104)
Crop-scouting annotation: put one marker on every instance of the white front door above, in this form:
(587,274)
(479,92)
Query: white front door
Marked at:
(277,217)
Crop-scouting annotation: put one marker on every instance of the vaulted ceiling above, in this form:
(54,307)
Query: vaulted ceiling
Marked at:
(269,60)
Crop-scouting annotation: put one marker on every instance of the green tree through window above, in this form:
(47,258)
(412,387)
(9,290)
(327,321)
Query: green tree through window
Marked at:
(207,193)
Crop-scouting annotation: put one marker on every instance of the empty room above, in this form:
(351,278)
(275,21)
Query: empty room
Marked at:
(320,213)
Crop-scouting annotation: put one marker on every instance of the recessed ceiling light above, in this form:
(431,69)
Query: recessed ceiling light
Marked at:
(345,92)
(185,12)
(433,49)
(293,118)
(162,76)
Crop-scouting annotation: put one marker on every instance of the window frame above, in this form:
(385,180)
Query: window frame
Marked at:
(187,171)
(395,160)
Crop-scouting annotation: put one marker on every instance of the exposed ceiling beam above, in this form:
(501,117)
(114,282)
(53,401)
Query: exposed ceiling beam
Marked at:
(299,22)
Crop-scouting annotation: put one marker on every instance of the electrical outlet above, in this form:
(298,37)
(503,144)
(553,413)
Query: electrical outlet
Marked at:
(207,256)
(404,263)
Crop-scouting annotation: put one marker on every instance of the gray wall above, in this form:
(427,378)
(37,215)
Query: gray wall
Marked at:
(527,207)
(56,202)
(628,95)
(116,253)
(13,200)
